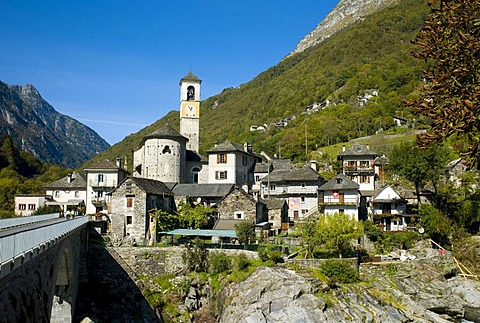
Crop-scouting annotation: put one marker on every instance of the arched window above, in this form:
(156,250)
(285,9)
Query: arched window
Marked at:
(166,150)
(190,93)
(195,171)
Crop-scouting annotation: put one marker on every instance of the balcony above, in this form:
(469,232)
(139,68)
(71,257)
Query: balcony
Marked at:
(358,169)
(105,183)
(100,201)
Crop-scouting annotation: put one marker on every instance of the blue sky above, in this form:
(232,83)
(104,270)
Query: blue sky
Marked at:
(115,65)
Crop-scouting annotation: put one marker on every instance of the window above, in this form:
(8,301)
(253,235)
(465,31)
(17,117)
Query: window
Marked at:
(128,188)
(221,158)
(273,187)
(304,212)
(100,178)
(77,194)
(129,201)
(364,179)
(341,211)
(22,206)
(364,163)
(295,215)
(244,160)
(304,185)
(31,207)
(239,215)
(129,219)
(100,194)
(221,175)
(195,171)
(302,199)
(166,150)
(257,178)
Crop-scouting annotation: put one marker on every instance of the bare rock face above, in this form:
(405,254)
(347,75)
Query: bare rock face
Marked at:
(416,292)
(344,14)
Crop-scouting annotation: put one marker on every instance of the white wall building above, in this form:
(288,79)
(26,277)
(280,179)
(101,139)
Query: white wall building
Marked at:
(27,204)
(340,195)
(69,192)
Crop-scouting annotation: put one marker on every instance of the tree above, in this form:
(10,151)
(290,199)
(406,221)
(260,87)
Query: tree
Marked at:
(435,223)
(419,166)
(338,230)
(450,98)
(311,238)
(245,231)
(195,217)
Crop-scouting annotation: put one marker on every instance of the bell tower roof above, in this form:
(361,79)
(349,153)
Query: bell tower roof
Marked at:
(190,77)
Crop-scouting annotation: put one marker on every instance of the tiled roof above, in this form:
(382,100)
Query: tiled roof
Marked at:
(191,77)
(151,186)
(339,182)
(78,181)
(202,190)
(357,150)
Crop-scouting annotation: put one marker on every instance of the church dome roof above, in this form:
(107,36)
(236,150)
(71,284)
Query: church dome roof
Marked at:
(167,132)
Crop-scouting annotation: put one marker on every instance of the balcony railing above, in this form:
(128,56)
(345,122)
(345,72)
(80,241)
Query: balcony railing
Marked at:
(100,201)
(105,183)
(363,169)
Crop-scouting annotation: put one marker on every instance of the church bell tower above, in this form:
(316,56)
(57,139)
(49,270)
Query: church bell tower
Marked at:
(190,109)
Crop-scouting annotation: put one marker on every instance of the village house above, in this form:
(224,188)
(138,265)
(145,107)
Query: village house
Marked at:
(102,178)
(298,186)
(27,204)
(132,203)
(388,210)
(277,215)
(69,193)
(340,195)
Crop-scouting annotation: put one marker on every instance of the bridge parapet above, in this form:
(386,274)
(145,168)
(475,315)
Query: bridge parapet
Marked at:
(16,249)
(18,221)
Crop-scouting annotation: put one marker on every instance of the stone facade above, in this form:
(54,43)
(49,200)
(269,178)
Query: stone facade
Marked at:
(240,205)
(131,204)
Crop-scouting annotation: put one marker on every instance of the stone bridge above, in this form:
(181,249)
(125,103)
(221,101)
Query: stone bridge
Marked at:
(41,263)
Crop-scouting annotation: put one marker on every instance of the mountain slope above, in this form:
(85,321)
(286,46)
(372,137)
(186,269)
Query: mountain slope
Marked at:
(36,127)
(370,55)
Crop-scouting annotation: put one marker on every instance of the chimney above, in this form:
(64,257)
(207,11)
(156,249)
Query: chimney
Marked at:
(69,178)
(343,148)
(119,163)
(368,146)
(313,164)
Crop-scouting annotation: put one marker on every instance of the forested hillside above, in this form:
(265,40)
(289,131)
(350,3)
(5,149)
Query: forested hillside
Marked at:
(373,55)
(22,173)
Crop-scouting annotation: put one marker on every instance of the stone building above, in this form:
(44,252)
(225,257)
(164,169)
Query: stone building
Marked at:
(240,205)
(277,214)
(132,202)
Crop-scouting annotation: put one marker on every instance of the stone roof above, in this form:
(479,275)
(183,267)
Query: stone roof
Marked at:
(261,167)
(202,190)
(226,147)
(166,132)
(78,181)
(357,150)
(151,186)
(305,173)
(273,203)
(190,77)
(105,164)
(339,182)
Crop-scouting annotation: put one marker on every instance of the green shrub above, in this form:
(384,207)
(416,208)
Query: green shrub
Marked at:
(218,262)
(339,271)
(271,253)
(240,261)
(195,258)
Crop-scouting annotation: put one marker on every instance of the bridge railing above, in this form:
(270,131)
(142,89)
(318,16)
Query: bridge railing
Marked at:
(18,248)
(13,222)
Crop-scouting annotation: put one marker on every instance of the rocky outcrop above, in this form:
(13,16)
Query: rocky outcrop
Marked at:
(36,127)
(410,291)
(344,14)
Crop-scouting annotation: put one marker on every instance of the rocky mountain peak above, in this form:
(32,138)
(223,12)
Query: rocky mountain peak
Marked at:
(26,91)
(344,14)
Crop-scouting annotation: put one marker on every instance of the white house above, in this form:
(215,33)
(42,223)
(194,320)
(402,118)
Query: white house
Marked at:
(389,211)
(27,204)
(69,192)
(102,178)
(230,162)
(340,195)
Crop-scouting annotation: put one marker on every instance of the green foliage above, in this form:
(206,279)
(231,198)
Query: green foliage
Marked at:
(372,231)
(245,231)
(194,217)
(218,262)
(339,271)
(47,209)
(450,41)
(391,270)
(338,230)
(195,258)
(307,230)
(165,220)
(240,262)
(389,241)
(268,253)
(435,223)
